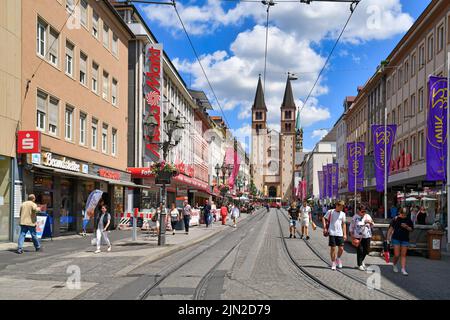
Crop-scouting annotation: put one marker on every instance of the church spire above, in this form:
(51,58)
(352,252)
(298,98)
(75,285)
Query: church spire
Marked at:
(259,102)
(298,125)
(288,100)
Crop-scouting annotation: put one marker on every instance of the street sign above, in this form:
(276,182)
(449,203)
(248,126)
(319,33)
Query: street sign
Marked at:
(29,141)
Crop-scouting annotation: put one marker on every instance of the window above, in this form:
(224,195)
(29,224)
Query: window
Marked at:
(400,78)
(41,110)
(114,142)
(413,104)
(53,116)
(258,116)
(413,148)
(82,128)
(430,48)
(41,38)
(406,145)
(105,84)
(70,5)
(406,110)
(69,58)
(421,56)
(95,19)
(400,149)
(421,145)
(406,71)
(83,64)
(287,115)
(394,119)
(69,123)
(115,45)
(105,138)
(94,133)
(53,50)
(94,77)
(83,12)
(440,37)
(413,64)
(420,99)
(105,35)
(114,92)
(400,115)
(388,88)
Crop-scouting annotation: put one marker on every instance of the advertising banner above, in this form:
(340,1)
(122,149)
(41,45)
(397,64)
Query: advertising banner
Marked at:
(330,180)
(355,156)
(325,181)
(320,173)
(382,156)
(335,179)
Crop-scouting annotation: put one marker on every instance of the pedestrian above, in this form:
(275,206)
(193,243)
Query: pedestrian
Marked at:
(235,214)
(361,232)
(398,235)
(224,213)
(393,211)
(421,216)
(214,211)
(102,228)
(28,223)
(174,217)
(414,213)
(293,212)
(336,230)
(305,218)
(187,210)
(207,213)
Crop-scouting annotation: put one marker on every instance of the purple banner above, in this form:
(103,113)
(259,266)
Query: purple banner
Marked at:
(320,173)
(437,129)
(335,180)
(330,180)
(325,181)
(382,156)
(355,156)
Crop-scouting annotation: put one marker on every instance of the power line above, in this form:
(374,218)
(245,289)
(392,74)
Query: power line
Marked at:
(352,10)
(200,63)
(269,4)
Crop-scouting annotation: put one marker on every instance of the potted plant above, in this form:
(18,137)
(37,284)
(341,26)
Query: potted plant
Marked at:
(164,171)
(224,188)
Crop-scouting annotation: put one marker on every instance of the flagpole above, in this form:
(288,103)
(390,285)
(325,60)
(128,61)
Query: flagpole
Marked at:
(385,162)
(354,171)
(448,148)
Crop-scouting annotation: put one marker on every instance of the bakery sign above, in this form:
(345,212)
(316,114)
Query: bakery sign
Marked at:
(63,163)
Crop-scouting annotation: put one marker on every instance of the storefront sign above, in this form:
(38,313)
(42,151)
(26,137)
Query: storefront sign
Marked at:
(40,225)
(437,129)
(29,142)
(411,186)
(429,184)
(36,158)
(383,141)
(355,156)
(152,106)
(186,169)
(140,172)
(60,163)
(108,174)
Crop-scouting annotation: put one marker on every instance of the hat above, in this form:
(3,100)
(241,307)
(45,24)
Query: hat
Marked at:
(341,203)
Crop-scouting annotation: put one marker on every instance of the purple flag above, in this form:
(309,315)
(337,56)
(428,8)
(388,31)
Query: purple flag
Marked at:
(320,184)
(382,156)
(355,156)
(325,181)
(330,180)
(335,179)
(437,129)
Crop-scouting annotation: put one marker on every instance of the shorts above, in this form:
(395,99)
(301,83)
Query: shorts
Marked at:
(305,222)
(335,241)
(293,223)
(396,242)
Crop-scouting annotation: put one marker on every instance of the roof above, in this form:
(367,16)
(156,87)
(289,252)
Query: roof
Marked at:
(331,136)
(116,14)
(288,99)
(259,102)
(200,98)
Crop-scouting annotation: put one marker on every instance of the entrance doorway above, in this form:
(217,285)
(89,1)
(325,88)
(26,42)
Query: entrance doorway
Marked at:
(272,191)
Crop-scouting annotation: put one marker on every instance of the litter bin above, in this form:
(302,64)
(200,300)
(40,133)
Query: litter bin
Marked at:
(434,244)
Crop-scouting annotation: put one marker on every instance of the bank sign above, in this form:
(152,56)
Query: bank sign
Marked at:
(152,87)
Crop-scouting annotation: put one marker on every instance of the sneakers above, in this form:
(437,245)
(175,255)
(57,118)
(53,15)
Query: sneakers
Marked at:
(295,237)
(109,249)
(38,249)
(307,237)
(362,268)
(290,236)
(333,265)
(364,265)
(19,251)
(395,268)
(339,263)
(173,233)
(301,237)
(404,272)
(97,251)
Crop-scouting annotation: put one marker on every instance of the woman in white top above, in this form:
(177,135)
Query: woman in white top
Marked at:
(174,217)
(305,218)
(361,232)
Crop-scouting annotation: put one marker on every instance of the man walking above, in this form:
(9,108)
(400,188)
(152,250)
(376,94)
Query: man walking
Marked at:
(28,222)
(336,229)
(305,218)
(186,215)
(293,218)
(207,213)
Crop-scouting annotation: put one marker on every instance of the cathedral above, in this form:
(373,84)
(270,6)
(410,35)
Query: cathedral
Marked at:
(272,152)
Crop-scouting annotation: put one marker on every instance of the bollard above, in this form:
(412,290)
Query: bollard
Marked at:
(134,232)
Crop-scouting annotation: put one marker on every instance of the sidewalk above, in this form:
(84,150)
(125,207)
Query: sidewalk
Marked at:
(43,275)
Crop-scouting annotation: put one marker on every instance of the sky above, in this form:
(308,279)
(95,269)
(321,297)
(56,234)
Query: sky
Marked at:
(229,36)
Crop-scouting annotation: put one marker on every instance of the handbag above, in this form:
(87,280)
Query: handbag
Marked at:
(356,242)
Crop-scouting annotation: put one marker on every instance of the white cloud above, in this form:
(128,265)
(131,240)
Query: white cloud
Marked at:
(319,133)
(312,113)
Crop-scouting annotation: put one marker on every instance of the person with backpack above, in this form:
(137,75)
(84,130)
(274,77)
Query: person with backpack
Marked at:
(398,235)
(336,231)
(174,217)
(361,232)
(102,228)
(293,212)
(187,210)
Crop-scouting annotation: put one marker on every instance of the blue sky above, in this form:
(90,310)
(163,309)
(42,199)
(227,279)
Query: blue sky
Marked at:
(230,38)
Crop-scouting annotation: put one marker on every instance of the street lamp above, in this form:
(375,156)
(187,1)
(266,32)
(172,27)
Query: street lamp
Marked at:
(224,172)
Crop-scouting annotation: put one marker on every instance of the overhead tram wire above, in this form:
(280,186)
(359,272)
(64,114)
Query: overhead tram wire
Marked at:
(352,10)
(269,4)
(200,63)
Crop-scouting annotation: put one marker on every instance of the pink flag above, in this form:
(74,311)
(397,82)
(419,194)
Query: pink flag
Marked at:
(232,157)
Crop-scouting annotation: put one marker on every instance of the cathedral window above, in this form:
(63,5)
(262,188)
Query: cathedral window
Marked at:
(258,116)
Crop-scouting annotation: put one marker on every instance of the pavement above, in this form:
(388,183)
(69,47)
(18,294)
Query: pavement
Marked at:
(54,272)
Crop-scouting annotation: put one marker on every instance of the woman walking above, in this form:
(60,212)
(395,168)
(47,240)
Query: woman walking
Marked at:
(102,228)
(224,213)
(361,232)
(398,235)
(234,214)
(174,217)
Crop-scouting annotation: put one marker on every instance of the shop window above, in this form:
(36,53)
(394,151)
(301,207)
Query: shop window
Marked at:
(5,187)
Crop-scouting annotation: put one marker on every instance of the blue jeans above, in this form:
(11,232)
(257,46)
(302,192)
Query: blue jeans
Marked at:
(23,231)
(186,222)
